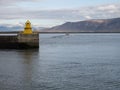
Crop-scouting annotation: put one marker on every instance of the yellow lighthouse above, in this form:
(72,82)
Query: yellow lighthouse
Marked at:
(28,38)
(28,28)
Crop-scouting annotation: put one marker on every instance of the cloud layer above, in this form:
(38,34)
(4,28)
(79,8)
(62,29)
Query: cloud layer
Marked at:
(105,11)
(13,12)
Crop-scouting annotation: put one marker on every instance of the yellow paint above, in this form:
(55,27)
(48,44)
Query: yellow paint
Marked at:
(28,28)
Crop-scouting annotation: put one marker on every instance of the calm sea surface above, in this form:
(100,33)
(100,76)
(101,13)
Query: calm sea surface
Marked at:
(64,62)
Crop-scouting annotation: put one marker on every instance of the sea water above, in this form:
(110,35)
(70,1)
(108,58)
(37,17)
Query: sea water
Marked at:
(64,62)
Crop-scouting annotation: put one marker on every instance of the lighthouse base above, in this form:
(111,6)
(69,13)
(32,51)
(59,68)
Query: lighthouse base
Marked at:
(20,41)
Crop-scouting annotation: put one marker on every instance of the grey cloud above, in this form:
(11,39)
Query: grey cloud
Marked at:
(98,12)
(108,11)
(108,7)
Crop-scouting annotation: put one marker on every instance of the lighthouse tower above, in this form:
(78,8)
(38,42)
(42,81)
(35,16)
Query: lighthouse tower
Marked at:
(28,38)
(28,28)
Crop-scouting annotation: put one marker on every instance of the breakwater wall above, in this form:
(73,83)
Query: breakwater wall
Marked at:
(8,42)
(19,41)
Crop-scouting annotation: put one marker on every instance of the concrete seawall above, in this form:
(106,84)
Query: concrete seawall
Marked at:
(19,41)
(8,42)
(28,40)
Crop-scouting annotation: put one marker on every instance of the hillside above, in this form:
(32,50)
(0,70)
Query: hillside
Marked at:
(95,25)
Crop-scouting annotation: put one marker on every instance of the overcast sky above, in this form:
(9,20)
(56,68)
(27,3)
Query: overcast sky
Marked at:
(47,13)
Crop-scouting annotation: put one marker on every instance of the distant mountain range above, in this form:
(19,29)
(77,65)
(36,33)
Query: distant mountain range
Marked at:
(5,28)
(94,25)
(10,28)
